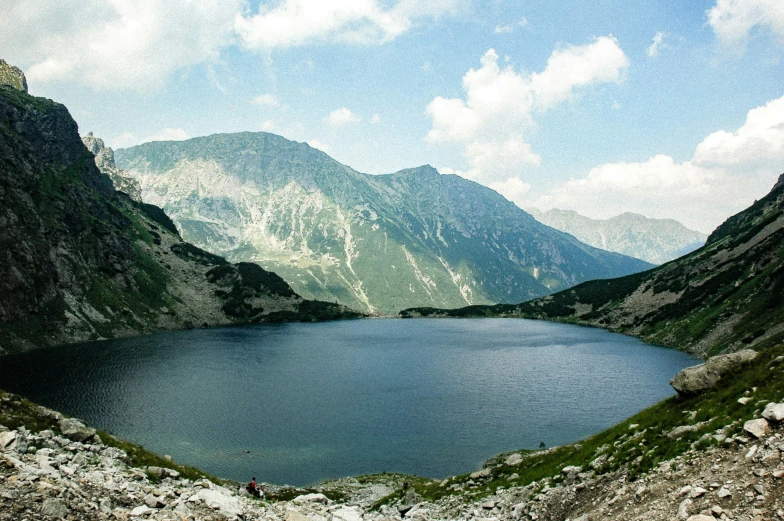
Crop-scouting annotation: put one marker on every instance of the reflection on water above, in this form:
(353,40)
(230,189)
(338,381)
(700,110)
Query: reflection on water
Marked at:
(318,401)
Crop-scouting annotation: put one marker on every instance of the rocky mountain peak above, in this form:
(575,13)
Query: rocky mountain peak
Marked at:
(104,160)
(780,182)
(12,76)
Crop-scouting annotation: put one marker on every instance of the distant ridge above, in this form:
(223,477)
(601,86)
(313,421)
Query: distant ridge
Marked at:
(653,240)
(376,243)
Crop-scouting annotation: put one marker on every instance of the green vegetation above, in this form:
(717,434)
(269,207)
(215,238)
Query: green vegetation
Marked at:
(313,311)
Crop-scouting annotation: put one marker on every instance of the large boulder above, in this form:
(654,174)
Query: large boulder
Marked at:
(75,430)
(220,499)
(53,507)
(696,379)
(774,412)
(758,428)
(7,440)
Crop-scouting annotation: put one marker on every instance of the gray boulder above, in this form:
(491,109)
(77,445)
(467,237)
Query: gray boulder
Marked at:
(8,439)
(54,508)
(696,379)
(680,431)
(75,430)
(774,412)
(758,428)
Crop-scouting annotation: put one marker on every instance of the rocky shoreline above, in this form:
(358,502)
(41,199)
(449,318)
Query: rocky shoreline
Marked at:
(66,471)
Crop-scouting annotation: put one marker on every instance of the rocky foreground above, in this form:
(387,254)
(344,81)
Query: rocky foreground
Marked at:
(67,472)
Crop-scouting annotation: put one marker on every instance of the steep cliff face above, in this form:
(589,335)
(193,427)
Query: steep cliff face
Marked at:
(727,295)
(377,243)
(104,160)
(80,261)
(653,240)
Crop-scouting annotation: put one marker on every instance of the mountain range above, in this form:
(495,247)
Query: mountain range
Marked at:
(654,240)
(373,243)
(727,295)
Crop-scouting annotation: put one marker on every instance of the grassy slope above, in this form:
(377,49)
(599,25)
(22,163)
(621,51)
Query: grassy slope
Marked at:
(726,295)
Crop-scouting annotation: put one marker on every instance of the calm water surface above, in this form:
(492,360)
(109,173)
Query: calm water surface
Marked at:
(318,401)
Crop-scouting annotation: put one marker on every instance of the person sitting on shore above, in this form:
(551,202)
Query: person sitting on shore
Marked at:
(251,488)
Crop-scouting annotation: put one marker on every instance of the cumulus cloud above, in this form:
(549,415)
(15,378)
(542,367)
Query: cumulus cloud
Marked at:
(501,29)
(514,189)
(500,105)
(375,119)
(733,20)
(138,44)
(320,145)
(728,171)
(653,49)
(129,139)
(292,23)
(266,100)
(114,44)
(340,117)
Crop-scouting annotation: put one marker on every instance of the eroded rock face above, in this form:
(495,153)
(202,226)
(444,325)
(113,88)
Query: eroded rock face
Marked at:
(104,160)
(12,76)
(696,379)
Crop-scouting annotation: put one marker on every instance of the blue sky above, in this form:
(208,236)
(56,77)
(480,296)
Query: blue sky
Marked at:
(665,108)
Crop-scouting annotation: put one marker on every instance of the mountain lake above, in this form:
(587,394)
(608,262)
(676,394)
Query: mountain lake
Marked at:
(301,403)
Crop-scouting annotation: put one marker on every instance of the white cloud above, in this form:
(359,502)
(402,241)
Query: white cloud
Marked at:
(114,44)
(501,29)
(653,50)
(292,23)
(375,119)
(340,117)
(129,139)
(759,143)
(729,170)
(514,189)
(602,61)
(320,145)
(266,100)
(267,126)
(500,106)
(733,20)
